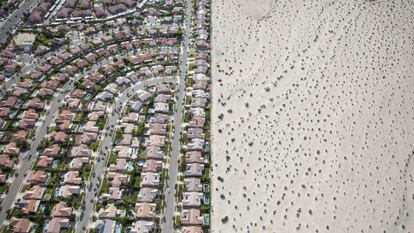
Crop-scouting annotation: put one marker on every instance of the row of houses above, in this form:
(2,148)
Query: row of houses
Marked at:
(167,28)
(116,31)
(136,166)
(73,9)
(69,11)
(38,13)
(195,192)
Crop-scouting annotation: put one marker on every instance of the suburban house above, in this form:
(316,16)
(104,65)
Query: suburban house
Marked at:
(145,210)
(20,225)
(152,165)
(51,151)
(80,151)
(194,169)
(56,224)
(192,199)
(194,157)
(142,226)
(147,194)
(154,152)
(69,190)
(108,213)
(61,210)
(72,177)
(36,192)
(191,217)
(192,229)
(193,185)
(38,177)
(150,179)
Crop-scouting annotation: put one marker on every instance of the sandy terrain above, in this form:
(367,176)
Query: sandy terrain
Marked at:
(313,116)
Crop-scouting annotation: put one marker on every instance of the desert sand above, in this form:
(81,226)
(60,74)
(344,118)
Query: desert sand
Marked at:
(313,116)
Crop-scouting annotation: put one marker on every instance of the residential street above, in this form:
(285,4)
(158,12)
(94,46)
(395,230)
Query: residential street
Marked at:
(28,158)
(168,225)
(105,147)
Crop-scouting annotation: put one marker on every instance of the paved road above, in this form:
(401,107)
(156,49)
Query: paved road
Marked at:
(100,165)
(168,225)
(15,18)
(28,158)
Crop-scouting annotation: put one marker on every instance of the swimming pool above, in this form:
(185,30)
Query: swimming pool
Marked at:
(206,199)
(206,220)
(118,228)
(129,166)
(45,225)
(140,163)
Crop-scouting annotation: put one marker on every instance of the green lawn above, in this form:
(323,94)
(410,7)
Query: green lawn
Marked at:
(4,187)
(112,158)
(105,186)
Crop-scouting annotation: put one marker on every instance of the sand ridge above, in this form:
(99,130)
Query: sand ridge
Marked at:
(313,112)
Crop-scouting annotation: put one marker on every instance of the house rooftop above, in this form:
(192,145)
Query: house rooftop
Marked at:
(191,229)
(154,152)
(143,226)
(191,217)
(145,210)
(109,212)
(61,210)
(38,177)
(193,185)
(20,225)
(56,224)
(150,179)
(36,192)
(192,199)
(194,170)
(77,163)
(51,151)
(152,165)
(194,157)
(147,194)
(69,190)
